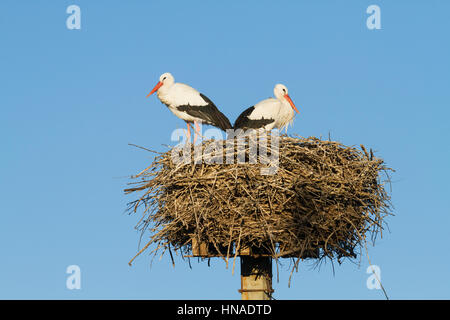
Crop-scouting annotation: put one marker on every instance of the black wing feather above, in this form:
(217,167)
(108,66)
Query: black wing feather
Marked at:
(208,113)
(244,122)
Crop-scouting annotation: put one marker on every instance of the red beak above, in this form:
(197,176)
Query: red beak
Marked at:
(286,96)
(158,85)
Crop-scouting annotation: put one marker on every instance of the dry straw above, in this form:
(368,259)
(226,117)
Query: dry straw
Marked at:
(324,201)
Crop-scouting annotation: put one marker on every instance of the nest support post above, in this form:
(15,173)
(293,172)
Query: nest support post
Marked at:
(256,278)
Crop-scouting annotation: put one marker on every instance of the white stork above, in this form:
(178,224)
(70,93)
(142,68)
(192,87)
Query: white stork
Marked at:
(189,105)
(270,113)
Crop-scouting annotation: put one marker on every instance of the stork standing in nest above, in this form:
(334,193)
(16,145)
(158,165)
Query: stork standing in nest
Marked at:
(270,113)
(189,105)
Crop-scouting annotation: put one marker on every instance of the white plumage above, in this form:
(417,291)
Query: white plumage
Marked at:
(188,104)
(270,113)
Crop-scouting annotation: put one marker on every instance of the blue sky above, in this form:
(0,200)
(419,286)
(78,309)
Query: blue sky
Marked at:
(72,100)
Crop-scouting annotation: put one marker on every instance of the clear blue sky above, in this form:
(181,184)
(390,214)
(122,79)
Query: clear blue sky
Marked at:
(72,100)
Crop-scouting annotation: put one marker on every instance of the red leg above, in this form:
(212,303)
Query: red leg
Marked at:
(196,131)
(197,127)
(188,135)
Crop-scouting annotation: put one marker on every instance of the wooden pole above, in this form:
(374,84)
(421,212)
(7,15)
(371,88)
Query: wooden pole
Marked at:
(256,278)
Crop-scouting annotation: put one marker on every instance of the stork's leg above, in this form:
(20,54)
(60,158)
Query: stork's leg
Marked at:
(188,135)
(197,127)
(196,131)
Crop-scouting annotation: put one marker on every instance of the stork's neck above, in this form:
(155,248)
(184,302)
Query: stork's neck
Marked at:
(286,107)
(285,115)
(278,96)
(164,90)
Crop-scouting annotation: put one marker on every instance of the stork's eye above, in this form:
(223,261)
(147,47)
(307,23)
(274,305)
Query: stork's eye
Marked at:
(164,78)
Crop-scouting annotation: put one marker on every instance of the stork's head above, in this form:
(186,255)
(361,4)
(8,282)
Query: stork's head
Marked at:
(165,80)
(281,92)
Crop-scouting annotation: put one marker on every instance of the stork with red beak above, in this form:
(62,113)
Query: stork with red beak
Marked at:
(189,105)
(270,113)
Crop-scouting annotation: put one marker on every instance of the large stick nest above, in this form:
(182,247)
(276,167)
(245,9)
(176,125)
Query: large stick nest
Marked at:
(324,200)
